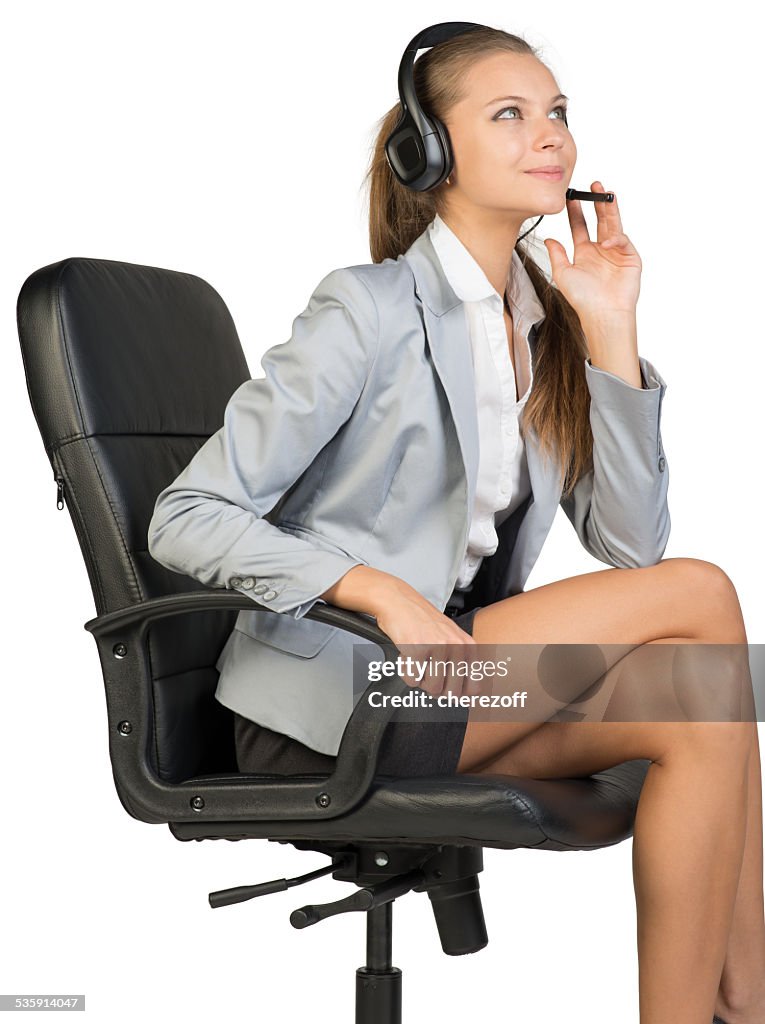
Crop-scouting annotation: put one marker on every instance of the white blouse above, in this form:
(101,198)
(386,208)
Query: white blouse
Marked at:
(503,478)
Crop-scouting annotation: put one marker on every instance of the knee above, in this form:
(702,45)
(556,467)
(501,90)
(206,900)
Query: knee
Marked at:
(697,572)
(703,582)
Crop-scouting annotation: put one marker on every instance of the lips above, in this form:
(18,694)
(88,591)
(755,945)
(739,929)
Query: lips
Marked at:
(551,174)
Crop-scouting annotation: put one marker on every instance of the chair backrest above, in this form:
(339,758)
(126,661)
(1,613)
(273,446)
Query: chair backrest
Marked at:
(129,370)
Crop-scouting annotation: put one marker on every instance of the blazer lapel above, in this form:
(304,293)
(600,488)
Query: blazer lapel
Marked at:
(537,521)
(448,341)
(522,535)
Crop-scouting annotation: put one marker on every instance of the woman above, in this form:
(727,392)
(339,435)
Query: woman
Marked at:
(404,456)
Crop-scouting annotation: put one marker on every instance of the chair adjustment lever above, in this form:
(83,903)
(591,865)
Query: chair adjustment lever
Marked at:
(240,893)
(366,898)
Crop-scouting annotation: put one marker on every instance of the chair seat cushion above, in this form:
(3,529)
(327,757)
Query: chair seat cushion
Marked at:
(499,811)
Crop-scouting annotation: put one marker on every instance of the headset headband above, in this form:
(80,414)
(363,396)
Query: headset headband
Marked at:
(423,40)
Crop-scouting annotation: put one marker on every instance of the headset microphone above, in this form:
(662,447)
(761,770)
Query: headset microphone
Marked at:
(592,197)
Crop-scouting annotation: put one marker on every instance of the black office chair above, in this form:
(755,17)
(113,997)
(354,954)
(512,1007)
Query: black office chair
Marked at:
(129,369)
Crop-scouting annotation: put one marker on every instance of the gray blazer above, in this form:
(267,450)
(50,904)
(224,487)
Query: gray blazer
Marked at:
(360,447)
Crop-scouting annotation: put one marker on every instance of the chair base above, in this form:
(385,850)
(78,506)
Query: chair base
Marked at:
(449,875)
(382,872)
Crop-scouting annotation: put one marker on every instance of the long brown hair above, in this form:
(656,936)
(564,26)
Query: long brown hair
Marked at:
(558,406)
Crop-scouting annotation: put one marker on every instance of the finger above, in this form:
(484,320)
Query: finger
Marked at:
(409,669)
(600,212)
(620,241)
(452,656)
(410,678)
(613,217)
(431,683)
(438,670)
(558,257)
(474,680)
(427,680)
(579,231)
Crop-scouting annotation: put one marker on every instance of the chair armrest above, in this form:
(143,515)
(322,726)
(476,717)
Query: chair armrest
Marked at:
(121,637)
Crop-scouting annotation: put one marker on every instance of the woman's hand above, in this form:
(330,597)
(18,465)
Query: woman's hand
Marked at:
(409,619)
(605,275)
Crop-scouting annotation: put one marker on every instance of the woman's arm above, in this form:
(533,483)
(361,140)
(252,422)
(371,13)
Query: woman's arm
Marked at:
(208,523)
(619,508)
(367,590)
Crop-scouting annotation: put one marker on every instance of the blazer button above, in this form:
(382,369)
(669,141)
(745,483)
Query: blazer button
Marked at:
(269,595)
(260,588)
(248,582)
(662,464)
(235,581)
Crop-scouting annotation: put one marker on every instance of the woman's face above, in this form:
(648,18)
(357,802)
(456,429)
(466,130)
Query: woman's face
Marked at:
(495,141)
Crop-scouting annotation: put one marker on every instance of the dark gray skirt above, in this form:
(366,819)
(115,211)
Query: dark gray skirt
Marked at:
(407,749)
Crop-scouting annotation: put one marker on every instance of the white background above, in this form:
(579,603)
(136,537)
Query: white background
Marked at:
(230,141)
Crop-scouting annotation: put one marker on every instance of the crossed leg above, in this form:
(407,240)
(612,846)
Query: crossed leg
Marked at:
(704,775)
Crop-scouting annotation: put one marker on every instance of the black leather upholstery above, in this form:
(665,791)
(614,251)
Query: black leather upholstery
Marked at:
(129,369)
(474,810)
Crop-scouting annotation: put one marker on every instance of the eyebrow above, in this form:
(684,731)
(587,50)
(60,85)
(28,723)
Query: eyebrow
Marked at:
(521,99)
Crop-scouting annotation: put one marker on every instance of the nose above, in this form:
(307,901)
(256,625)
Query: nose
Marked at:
(548,136)
(550,140)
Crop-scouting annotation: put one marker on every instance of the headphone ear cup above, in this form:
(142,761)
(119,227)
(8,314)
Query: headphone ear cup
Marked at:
(446,147)
(419,163)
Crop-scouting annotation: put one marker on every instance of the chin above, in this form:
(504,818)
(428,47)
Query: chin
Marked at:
(547,210)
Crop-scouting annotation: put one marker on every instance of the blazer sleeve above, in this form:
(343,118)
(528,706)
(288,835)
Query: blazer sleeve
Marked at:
(208,523)
(619,508)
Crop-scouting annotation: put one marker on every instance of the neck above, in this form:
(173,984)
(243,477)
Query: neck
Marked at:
(489,240)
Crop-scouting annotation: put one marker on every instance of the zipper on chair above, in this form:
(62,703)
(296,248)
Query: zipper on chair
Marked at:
(60,492)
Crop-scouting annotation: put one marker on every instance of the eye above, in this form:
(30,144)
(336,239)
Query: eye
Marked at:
(563,111)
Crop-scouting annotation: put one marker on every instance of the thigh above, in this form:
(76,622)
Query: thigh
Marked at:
(678,597)
(571,750)
(619,608)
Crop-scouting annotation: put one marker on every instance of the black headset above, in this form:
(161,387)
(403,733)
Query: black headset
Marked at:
(418,149)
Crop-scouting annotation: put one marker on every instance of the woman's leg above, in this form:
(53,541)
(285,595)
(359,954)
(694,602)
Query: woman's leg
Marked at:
(701,777)
(742,987)
(681,598)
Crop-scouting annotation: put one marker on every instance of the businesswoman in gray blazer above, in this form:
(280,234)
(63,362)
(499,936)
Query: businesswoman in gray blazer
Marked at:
(404,456)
